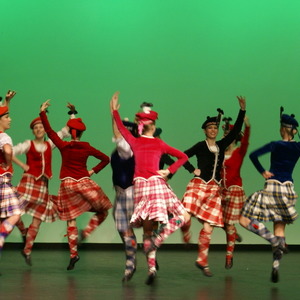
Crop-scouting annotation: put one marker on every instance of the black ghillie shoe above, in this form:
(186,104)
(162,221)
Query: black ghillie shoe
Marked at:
(205,269)
(150,278)
(128,275)
(275,275)
(72,263)
(238,238)
(27,258)
(228,263)
(156,265)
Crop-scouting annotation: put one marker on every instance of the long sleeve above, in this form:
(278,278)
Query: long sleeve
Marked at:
(101,156)
(231,136)
(245,141)
(181,158)
(21,148)
(53,136)
(255,154)
(123,130)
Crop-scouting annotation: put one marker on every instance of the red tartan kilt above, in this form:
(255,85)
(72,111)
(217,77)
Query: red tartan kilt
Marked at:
(40,204)
(203,200)
(232,203)
(154,200)
(78,197)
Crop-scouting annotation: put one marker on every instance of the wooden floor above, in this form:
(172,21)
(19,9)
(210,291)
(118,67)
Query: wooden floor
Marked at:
(98,275)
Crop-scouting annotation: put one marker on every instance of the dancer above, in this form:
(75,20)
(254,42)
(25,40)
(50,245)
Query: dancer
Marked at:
(122,163)
(11,203)
(154,200)
(34,182)
(233,195)
(77,192)
(276,202)
(202,198)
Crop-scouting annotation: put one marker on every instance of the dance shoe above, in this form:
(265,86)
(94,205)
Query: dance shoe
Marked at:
(205,270)
(150,278)
(228,263)
(72,262)
(27,258)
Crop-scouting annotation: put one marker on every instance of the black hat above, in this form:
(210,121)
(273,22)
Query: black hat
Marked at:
(288,121)
(147,104)
(157,132)
(213,120)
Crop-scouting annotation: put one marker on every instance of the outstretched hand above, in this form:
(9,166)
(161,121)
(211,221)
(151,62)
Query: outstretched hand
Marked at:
(114,102)
(71,107)
(242,102)
(45,105)
(9,95)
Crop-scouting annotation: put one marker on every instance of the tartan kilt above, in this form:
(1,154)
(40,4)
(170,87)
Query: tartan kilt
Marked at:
(40,204)
(233,200)
(276,202)
(11,202)
(77,197)
(154,200)
(203,200)
(123,208)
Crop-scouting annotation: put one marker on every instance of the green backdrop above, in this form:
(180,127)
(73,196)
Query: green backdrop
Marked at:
(186,57)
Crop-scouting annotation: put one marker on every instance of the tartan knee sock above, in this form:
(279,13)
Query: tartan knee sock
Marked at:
(5,229)
(171,226)
(277,255)
(230,237)
(261,230)
(21,227)
(203,247)
(72,233)
(130,251)
(151,260)
(94,222)
(30,238)
(185,230)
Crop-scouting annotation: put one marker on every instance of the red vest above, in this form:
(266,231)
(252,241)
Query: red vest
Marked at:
(3,162)
(39,162)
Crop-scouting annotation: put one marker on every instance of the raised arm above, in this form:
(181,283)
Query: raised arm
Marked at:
(114,106)
(245,139)
(231,136)
(9,95)
(50,132)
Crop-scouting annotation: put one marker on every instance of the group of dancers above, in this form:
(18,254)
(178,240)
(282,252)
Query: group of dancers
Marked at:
(214,196)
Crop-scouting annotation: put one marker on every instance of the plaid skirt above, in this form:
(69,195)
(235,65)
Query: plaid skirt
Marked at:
(276,202)
(123,208)
(154,200)
(40,204)
(233,200)
(202,199)
(11,202)
(78,197)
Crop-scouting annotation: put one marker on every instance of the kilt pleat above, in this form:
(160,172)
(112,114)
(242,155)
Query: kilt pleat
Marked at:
(78,197)
(202,199)
(154,200)
(11,202)
(40,204)
(233,200)
(276,202)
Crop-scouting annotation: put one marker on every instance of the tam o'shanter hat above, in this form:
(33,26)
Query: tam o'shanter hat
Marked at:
(213,120)
(74,125)
(288,121)
(35,121)
(146,116)
(3,111)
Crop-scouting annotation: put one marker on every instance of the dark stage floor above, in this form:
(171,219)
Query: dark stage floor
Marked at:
(98,276)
